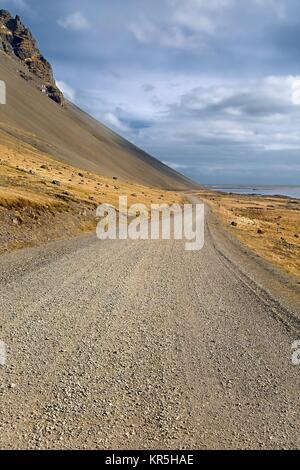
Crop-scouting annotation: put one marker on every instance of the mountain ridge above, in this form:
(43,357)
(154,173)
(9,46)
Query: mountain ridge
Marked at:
(17,41)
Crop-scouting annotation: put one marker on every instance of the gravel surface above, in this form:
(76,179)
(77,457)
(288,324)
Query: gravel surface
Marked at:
(141,345)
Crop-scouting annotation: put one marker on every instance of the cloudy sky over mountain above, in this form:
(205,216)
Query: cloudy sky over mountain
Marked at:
(210,86)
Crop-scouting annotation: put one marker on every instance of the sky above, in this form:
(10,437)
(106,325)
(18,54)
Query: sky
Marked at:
(210,87)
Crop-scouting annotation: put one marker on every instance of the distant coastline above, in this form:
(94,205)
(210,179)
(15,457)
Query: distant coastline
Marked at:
(287,191)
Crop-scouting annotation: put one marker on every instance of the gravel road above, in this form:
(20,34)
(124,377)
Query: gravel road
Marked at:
(142,345)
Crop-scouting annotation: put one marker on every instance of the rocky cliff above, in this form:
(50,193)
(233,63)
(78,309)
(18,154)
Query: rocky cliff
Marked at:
(17,41)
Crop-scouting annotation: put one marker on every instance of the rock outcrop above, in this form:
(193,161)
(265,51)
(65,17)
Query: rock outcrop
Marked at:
(17,41)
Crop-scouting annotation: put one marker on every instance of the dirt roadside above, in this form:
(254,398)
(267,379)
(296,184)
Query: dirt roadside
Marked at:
(142,345)
(42,199)
(269,226)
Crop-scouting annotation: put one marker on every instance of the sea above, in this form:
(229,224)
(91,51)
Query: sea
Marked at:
(289,191)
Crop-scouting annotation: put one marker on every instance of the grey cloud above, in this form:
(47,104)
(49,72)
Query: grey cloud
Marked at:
(148,87)
(203,84)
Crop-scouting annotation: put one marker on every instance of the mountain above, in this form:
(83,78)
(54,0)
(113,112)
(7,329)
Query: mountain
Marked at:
(59,128)
(17,41)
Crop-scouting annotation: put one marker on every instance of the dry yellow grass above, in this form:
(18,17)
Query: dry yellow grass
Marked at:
(270,226)
(34,188)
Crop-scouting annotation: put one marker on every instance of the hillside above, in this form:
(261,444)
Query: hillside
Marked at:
(60,129)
